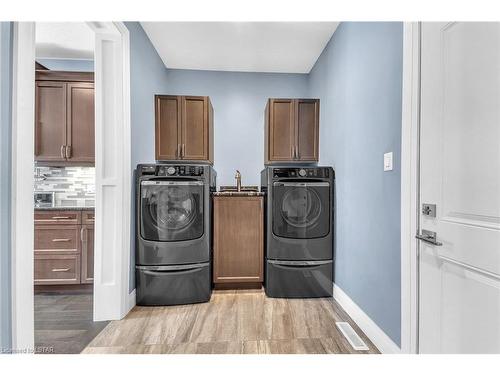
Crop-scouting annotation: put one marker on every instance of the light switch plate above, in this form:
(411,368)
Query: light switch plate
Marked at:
(388,161)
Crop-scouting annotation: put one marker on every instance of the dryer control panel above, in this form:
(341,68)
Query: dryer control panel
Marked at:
(305,172)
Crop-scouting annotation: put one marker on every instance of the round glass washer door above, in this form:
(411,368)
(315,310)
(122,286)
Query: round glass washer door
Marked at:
(301,207)
(301,210)
(171,211)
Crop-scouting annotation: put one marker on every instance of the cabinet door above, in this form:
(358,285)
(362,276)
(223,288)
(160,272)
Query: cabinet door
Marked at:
(50,121)
(80,122)
(238,239)
(195,130)
(87,236)
(167,127)
(281,129)
(307,129)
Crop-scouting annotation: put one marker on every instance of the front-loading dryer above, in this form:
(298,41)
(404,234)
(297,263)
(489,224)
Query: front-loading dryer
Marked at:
(173,233)
(299,231)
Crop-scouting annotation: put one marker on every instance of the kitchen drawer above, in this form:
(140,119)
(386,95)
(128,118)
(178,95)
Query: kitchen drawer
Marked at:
(60,239)
(57,269)
(57,217)
(88,217)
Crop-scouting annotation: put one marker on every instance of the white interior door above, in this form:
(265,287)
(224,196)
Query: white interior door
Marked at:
(460,173)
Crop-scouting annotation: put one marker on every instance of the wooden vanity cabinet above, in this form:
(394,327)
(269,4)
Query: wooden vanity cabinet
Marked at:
(238,241)
(184,128)
(64,118)
(291,130)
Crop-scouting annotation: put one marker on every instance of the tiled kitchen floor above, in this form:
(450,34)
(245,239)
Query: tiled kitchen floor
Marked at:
(63,322)
(232,322)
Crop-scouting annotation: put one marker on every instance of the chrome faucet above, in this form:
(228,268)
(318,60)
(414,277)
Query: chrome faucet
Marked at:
(238,180)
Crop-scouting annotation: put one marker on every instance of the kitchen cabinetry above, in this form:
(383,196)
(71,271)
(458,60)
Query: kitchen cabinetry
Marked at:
(184,128)
(64,247)
(291,130)
(64,117)
(238,241)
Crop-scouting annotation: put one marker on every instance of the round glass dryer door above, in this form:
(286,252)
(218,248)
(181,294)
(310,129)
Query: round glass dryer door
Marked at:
(171,210)
(301,209)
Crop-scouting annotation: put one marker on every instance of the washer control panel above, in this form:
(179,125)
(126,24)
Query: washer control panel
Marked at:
(315,172)
(172,170)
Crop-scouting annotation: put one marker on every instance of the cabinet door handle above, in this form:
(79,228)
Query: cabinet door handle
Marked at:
(83,237)
(297,154)
(60,240)
(60,217)
(60,269)
(63,151)
(183,150)
(68,152)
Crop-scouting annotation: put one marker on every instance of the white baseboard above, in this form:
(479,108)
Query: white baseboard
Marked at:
(131,300)
(367,325)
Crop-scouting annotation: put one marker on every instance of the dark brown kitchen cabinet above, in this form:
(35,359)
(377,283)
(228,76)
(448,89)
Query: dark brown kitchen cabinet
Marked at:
(183,128)
(50,122)
(64,118)
(87,238)
(64,247)
(238,241)
(291,130)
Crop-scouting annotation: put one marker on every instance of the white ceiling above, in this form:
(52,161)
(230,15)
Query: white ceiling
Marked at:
(64,40)
(284,47)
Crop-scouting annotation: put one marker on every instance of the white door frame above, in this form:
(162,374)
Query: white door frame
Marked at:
(409,187)
(113,148)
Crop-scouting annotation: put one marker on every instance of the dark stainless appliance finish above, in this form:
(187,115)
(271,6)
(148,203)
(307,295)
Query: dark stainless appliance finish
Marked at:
(299,231)
(174,235)
(44,198)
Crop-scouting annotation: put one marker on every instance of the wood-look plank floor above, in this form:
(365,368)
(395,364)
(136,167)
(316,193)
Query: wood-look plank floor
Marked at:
(233,322)
(64,322)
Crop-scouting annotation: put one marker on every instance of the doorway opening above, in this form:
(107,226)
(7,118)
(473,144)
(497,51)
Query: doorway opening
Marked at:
(63,255)
(64,187)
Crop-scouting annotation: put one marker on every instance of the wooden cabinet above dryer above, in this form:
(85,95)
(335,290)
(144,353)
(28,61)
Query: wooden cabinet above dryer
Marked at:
(184,128)
(291,131)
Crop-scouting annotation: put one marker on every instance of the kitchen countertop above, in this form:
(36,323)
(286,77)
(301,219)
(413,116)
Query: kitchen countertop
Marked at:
(65,208)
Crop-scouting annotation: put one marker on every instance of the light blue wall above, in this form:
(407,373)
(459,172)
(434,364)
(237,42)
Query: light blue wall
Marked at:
(239,100)
(358,78)
(5,179)
(148,76)
(69,65)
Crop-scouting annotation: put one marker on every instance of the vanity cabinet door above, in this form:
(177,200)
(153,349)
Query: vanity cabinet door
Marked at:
(238,240)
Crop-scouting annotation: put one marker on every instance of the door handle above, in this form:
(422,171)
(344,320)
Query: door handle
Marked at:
(183,150)
(178,151)
(63,152)
(429,237)
(60,269)
(68,152)
(60,240)
(297,154)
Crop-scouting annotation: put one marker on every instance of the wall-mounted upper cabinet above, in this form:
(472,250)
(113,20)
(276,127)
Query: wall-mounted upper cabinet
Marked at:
(64,118)
(184,128)
(292,131)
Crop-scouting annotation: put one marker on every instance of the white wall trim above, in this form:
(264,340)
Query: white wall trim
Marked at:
(131,300)
(113,171)
(409,187)
(367,325)
(23,114)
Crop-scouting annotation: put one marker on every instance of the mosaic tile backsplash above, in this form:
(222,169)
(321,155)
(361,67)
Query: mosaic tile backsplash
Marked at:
(73,186)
